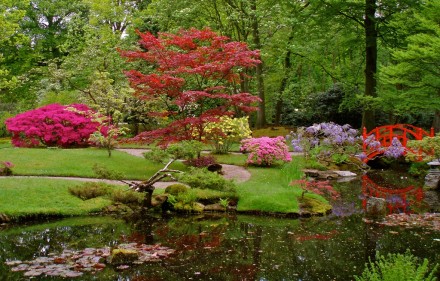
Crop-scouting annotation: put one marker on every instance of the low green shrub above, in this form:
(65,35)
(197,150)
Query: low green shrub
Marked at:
(89,190)
(104,173)
(397,267)
(418,169)
(127,197)
(176,189)
(202,178)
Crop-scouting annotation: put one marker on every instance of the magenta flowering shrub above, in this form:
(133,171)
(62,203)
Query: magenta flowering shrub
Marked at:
(53,125)
(265,151)
(6,168)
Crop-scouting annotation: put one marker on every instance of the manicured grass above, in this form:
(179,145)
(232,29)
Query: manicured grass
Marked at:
(23,197)
(268,189)
(231,158)
(5,142)
(78,162)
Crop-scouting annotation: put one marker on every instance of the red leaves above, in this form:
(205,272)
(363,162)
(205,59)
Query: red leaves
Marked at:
(194,72)
(318,187)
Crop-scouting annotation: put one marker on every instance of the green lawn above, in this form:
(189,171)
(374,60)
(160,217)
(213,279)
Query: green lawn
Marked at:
(22,197)
(268,189)
(78,162)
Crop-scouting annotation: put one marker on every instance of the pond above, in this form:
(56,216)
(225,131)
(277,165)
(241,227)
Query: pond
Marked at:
(227,246)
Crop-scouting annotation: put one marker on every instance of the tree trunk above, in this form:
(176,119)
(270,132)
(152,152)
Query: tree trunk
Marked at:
(261,114)
(283,85)
(368,116)
(436,121)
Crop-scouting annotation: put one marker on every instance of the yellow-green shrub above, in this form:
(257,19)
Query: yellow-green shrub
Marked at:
(221,135)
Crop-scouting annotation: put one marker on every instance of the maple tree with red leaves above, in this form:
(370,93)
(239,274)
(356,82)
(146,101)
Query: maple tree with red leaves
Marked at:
(195,75)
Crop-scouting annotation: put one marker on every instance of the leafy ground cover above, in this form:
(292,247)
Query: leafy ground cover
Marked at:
(78,162)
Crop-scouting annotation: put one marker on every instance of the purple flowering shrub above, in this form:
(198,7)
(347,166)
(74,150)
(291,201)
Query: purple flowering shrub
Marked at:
(266,151)
(327,142)
(6,168)
(53,125)
(394,151)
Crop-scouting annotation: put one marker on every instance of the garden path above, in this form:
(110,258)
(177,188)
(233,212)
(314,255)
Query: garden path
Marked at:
(237,173)
(232,172)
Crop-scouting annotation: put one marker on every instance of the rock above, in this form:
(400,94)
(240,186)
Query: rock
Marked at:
(4,218)
(322,175)
(345,173)
(215,208)
(122,256)
(376,208)
(432,199)
(159,200)
(432,180)
(198,207)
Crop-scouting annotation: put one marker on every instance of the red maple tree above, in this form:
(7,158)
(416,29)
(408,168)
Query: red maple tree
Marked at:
(195,75)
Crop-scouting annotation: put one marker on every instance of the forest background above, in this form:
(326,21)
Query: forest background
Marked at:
(361,62)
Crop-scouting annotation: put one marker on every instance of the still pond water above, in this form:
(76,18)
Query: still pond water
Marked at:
(229,247)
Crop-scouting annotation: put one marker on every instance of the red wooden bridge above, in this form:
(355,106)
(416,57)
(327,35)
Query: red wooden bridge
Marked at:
(385,135)
(398,199)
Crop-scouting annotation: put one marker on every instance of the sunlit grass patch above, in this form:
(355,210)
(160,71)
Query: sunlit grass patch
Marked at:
(35,196)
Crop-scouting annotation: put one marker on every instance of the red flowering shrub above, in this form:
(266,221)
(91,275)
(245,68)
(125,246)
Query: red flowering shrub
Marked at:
(318,187)
(201,162)
(52,125)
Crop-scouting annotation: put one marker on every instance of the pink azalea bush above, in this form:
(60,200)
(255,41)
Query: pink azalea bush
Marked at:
(266,151)
(6,168)
(53,125)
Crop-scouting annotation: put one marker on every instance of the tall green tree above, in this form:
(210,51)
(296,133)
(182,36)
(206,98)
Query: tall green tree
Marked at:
(373,17)
(414,76)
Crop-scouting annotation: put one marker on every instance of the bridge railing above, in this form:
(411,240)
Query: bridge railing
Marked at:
(386,134)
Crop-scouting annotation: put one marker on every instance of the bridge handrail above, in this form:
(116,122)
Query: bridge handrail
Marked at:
(385,134)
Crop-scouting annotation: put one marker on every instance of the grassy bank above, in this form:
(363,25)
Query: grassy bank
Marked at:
(268,190)
(30,197)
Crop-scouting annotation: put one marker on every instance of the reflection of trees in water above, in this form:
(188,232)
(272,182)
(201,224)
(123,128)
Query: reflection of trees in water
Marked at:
(236,247)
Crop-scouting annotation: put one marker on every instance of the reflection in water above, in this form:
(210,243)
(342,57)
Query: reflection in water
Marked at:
(399,199)
(219,247)
(235,247)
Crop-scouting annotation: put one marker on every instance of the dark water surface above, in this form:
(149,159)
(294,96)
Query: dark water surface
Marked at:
(228,247)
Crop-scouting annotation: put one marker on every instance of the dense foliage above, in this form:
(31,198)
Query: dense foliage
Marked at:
(327,142)
(193,74)
(223,134)
(53,125)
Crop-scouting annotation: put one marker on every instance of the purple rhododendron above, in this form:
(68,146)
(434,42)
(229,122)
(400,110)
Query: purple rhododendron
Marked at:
(53,125)
(266,151)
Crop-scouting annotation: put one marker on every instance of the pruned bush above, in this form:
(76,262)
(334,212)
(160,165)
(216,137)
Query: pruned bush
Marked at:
(89,190)
(266,151)
(201,162)
(52,125)
(176,189)
(127,196)
(204,179)
(105,173)
(227,131)
(6,168)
